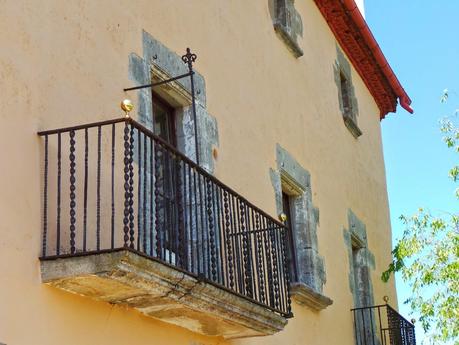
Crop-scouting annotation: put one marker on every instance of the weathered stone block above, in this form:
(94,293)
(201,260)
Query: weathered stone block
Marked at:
(160,63)
(288,24)
(350,114)
(361,260)
(305,295)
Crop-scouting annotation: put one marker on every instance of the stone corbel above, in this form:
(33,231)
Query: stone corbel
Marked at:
(305,295)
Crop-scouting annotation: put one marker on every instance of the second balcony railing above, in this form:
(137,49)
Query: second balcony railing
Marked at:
(115,185)
(382,325)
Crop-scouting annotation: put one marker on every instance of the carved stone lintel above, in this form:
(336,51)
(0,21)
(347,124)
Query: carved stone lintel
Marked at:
(305,295)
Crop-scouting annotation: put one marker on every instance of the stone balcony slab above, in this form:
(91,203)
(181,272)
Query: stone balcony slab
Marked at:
(161,291)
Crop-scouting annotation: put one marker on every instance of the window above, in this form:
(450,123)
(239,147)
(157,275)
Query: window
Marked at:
(287,24)
(361,274)
(345,96)
(164,120)
(164,127)
(347,99)
(287,209)
(293,194)
(363,294)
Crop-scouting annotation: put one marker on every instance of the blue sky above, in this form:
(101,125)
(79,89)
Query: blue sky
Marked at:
(420,40)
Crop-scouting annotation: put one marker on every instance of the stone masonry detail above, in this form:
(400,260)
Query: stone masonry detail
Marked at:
(162,60)
(288,24)
(310,265)
(361,261)
(341,68)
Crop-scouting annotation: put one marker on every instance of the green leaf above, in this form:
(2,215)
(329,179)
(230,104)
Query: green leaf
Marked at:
(427,258)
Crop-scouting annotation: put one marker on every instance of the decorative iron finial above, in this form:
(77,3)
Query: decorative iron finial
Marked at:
(127,106)
(386,299)
(283,217)
(189,58)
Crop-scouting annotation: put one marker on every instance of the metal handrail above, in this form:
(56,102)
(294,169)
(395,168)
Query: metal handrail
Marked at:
(163,143)
(382,325)
(245,246)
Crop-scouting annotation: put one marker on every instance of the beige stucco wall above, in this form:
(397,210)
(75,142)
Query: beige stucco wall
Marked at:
(66,62)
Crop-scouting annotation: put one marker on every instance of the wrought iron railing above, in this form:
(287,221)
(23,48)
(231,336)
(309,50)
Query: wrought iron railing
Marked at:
(382,325)
(115,185)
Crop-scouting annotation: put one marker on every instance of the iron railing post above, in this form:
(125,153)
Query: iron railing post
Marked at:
(394,329)
(189,58)
(126,184)
(45,200)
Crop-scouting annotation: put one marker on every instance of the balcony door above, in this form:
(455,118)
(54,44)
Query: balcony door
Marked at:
(287,209)
(365,319)
(164,120)
(168,227)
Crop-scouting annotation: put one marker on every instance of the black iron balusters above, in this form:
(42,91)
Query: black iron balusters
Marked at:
(72,192)
(139,187)
(157,198)
(180,214)
(99,157)
(260,263)
(112,223)
(59,171)
(382,325)
(210,223)
(131,188)
(126,184)
(401,331)
(245,250)
(144,199)
(266,238)
(45,199)
(285,260)
(229,249)
(151,210)
(85,192)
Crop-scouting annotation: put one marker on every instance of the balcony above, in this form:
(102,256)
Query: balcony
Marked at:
(382,325)
(129,220)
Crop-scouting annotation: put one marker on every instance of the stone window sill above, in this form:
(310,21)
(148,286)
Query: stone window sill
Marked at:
(352,125)
(286,36)
(305,295)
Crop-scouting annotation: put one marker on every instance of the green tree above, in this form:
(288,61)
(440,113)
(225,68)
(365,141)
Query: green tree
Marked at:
(427,257)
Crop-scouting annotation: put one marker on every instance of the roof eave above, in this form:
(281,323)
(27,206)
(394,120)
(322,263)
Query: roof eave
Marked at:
(359,44)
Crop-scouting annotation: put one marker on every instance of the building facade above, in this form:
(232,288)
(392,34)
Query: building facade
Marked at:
(244,202)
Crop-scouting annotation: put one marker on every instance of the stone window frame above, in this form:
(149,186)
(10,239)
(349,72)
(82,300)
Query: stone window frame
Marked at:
(348,104)
(159,63)
(287,24)
(360,284)
(291,177)
(295,192)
